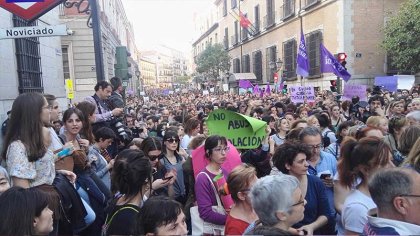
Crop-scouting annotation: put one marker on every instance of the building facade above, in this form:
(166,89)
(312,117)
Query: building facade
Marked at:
(350,26)
(148,73)
(78,48)
(30,64)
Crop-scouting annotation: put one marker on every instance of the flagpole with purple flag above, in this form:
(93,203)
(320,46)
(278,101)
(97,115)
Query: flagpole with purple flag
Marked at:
(302,61)
(330,64)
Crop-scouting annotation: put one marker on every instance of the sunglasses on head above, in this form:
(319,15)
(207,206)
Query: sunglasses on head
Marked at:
(172,140)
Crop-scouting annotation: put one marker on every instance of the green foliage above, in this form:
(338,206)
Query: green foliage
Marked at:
(212,61)
(402,37)
(183,79)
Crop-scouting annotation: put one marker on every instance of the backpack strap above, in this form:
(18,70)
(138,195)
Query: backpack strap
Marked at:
(108,222)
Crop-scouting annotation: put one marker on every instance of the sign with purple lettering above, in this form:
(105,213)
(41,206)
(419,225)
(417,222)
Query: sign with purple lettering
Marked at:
(29,9)
(301,94)
(354,90)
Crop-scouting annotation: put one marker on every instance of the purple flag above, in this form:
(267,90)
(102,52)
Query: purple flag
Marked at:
(243,83)
(268,89)
(256,89)
(330,64)
(302,57)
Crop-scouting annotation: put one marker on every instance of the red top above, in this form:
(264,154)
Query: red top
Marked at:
(235,226)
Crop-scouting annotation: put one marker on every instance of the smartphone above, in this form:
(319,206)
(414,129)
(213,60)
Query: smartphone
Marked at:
(167,178)
(324,176)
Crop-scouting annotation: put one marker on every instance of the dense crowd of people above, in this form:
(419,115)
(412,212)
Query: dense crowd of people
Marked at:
(115,165)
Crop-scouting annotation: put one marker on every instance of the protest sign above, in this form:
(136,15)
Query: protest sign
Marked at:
(353,90)
(389,83)
(243,132)
(405,81)
(206,92)
(299,93)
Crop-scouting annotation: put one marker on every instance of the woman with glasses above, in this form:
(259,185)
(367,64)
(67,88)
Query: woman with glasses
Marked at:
(291,159)
(211,178)
(359,161)
(239,183)
(162,180)
(172,159)
(279,203)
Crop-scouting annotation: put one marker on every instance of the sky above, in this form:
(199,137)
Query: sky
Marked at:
(167,22)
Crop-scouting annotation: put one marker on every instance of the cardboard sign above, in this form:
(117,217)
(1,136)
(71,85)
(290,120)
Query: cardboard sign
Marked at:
(405,81)
(299,93)
(69,89)
(352,90)
(243,132)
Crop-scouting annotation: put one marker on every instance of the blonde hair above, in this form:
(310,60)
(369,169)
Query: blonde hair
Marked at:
(413,158)
(374,121)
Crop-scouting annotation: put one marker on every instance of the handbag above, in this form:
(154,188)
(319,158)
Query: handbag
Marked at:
(199,226)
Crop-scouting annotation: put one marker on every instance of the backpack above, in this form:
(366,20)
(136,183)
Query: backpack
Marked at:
(326,140)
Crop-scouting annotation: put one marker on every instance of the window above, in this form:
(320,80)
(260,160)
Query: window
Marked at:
(215,39)
(233,3)
(226,38)
(257,64)
(28,60)
(313,40)
(271,56)
(288,8)
(246,68)
(66,61)
(309,3)
(257,18)
(236,36)
(236,65)
(270,17)
(244,31)
(224,7)
(289,58)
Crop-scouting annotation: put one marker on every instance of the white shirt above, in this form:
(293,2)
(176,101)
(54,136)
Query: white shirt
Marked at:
(355,211)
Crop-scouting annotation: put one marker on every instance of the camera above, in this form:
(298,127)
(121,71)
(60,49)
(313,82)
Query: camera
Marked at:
(122,131)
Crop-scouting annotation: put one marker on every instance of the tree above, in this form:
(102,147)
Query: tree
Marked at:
(213,60)
(402,34)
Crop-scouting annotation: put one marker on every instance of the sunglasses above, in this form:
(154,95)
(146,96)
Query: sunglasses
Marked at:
(153,157)
(172,140)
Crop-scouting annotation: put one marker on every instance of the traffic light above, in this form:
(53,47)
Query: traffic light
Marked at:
(122,66)
(341,57)
(333,86)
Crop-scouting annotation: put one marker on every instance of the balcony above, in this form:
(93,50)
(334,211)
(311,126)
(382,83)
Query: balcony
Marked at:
(269,20)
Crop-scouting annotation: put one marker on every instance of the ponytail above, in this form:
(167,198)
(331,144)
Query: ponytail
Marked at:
(346,166)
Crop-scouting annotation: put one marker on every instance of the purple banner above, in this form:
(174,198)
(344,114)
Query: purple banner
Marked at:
(330,64)
(302,58)
(256,89)
(243,83)
(390,83)
(268,89)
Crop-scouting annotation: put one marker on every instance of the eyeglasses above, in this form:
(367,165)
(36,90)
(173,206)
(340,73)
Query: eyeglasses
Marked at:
(300,202)
(408,195)
(315,147)
(226,149)
(153,157)
(172,140)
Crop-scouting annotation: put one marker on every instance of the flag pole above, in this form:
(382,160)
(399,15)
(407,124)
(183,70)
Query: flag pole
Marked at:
(301,27)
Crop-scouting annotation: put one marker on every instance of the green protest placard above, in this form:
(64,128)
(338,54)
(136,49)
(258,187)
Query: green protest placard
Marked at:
(243,132)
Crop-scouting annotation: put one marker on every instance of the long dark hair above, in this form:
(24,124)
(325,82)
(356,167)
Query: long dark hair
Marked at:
(25,124)
(18,209)
(130,172)
(170,134)
(87,109)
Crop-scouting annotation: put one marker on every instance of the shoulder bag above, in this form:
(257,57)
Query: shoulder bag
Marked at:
(199,226)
